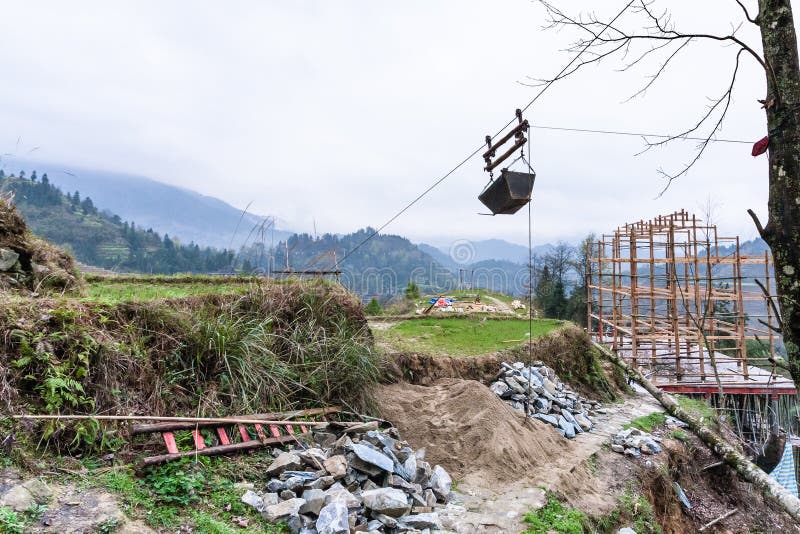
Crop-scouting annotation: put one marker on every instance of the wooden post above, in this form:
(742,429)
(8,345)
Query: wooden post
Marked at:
(652,298)
(740,319)
(589,289)
(634,299)
(614,304)
(698,308)
(601,287)
(711,299)
(672,284)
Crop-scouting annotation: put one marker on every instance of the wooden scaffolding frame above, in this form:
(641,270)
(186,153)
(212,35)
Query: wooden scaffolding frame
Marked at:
(670,296)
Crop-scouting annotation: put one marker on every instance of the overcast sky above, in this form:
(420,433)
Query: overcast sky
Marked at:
(341,112)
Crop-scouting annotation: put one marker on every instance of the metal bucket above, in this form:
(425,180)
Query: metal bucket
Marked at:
(509,192)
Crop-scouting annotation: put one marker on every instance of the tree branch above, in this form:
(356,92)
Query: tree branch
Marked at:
(771,303)
(757,222)
(658,73)
(726,98)
(746,14)
(599,40)
(660,30)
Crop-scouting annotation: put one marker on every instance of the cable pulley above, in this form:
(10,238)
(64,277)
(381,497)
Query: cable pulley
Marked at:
(512,190)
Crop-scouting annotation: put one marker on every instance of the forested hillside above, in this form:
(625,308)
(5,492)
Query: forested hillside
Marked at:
(179,212)
(100,238)
(382,266)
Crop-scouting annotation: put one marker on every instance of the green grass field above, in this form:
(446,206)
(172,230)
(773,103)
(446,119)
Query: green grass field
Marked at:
(466,336)
(112,292)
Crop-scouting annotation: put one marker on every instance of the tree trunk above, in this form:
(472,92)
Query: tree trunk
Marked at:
(782,232)
(768,486)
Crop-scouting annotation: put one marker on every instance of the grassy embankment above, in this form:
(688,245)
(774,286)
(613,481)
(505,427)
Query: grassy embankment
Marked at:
(173,346)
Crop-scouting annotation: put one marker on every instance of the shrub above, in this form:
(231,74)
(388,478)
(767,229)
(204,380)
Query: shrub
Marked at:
(554,517)
(412,291)
(373,307)
(177,482)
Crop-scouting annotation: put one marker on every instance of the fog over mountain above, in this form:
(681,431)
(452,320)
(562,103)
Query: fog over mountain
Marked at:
(168,209)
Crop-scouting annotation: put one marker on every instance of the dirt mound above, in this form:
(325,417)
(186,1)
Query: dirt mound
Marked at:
(27,262)
(472,433)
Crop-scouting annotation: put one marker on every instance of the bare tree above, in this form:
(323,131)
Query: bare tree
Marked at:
(648,33)
(560,260)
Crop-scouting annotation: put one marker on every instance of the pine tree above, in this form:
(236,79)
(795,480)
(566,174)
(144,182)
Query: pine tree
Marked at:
(88,206)
(373,307)
(412,291)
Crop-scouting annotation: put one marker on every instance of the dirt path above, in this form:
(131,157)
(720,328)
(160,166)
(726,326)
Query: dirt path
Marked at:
(481,509)
(377,324)
(68,509)
(502,307)
(616,416)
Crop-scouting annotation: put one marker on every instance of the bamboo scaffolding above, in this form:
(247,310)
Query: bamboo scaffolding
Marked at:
(671,296)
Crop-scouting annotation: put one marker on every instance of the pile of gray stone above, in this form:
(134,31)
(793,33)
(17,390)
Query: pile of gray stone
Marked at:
(537,391)
(635,442)
(364,482)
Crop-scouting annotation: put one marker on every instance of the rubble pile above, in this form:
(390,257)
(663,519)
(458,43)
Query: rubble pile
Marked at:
(537,390)
(366,482)
(635,442)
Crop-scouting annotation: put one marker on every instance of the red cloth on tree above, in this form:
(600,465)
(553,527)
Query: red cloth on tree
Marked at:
(760,146)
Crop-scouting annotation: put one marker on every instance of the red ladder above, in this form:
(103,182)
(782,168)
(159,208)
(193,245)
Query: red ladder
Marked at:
(278,433)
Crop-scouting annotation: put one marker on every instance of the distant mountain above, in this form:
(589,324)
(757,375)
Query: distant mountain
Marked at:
(462,253)
(102,239)
(492,264)
(442,258)
(754,247)
(381,266)
(500,276)
(167,209)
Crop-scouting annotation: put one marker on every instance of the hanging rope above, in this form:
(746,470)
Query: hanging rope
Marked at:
(530,250)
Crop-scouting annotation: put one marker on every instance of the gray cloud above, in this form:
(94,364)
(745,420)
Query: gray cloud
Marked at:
(341,112)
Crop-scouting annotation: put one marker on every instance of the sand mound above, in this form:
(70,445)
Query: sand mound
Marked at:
(486,444)
(467,429)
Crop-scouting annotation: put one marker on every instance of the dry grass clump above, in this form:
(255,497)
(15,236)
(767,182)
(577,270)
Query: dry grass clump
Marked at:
(277,346)
(41,265)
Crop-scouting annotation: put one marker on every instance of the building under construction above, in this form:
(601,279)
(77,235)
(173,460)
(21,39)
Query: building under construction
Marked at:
(686,307)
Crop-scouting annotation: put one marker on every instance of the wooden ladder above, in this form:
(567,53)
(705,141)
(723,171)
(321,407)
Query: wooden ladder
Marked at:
(229,444)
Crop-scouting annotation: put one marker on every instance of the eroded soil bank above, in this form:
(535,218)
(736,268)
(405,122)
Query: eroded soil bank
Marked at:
(503,462)
(568,351)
